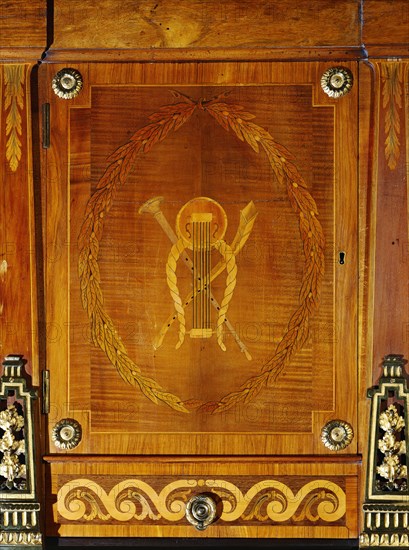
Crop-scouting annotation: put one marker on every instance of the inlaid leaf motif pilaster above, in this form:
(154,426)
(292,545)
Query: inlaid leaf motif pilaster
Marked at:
(392,86)
(14,79)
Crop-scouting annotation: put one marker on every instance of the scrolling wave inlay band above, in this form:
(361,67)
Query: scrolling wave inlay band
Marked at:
(232,117)
(135,500)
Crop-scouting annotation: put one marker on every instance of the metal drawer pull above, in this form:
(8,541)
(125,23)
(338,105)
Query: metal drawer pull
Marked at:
(201,511)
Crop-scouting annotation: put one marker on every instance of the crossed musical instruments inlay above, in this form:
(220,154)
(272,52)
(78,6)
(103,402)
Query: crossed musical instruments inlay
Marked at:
(200,227)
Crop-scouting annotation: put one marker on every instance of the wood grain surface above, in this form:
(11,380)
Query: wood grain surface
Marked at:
(18,296)
(390,176)
(225,478)
(385,29)
(284,416)
(23,30)
(269,56)
(208,29)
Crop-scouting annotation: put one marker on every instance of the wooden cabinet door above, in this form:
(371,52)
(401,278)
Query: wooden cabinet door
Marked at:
(201,299)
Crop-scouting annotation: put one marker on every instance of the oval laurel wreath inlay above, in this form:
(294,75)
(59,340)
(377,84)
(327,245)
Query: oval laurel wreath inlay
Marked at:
(169,118)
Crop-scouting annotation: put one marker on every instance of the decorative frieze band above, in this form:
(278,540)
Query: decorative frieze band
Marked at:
(21,538)
(136,500)
(19,514)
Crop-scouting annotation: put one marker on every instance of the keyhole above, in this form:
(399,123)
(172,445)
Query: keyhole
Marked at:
(342,258)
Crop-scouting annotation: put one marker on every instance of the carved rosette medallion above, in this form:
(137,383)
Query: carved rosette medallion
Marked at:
(337,82)
(67,83)
(337,435)
(67,434)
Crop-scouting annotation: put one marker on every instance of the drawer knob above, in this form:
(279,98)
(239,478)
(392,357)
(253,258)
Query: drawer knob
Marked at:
(337,435)
(337,81)
(67,83)
(201,511)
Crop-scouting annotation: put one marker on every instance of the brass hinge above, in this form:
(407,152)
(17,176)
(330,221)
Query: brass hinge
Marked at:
(46,391)
(45,110)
